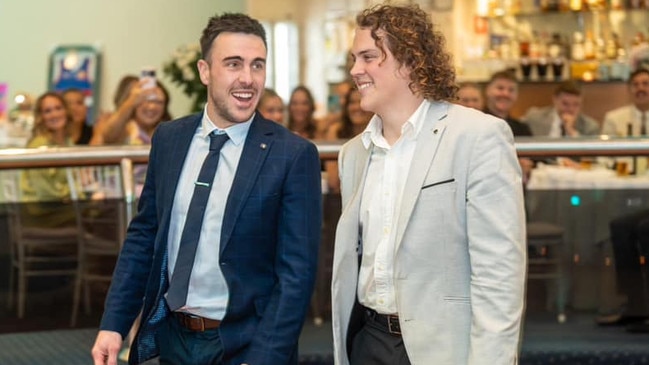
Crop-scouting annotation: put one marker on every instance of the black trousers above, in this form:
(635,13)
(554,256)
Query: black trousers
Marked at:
(179,345)
(374,345)
(630,236)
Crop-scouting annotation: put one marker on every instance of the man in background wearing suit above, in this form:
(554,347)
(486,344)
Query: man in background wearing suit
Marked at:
(229,282)
(564,118)
(430,257)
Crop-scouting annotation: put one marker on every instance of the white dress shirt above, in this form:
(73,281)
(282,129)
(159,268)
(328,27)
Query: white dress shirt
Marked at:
(380,209)
(207,295)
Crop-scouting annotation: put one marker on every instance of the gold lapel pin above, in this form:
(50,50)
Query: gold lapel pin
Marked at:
(263,146)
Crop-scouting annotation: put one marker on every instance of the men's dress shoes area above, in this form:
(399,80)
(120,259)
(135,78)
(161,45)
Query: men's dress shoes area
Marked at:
(640,327)
(618,319)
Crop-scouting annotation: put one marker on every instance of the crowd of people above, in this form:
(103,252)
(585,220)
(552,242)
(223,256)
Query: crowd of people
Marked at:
(421,158)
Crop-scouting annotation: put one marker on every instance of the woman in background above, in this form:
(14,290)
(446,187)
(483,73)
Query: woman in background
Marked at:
(137,116)
(271,106)
(46,190)
(75,100)
(353,122)
(301,110)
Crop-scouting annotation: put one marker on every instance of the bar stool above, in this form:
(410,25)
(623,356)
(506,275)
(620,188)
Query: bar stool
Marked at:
(545,262)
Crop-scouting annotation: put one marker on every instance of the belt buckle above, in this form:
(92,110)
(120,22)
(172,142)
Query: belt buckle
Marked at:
(393,325)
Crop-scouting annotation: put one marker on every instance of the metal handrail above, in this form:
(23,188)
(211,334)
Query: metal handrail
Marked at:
(17,158)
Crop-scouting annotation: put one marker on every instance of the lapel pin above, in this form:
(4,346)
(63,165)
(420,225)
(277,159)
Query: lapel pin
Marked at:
(263,146)
(435,131)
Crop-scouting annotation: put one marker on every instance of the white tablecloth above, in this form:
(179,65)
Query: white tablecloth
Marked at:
(550,177)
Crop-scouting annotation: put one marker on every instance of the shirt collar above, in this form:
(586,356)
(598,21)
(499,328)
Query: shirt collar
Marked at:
(237,133)
(373,133)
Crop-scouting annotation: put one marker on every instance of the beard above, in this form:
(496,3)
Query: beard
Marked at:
(223,110)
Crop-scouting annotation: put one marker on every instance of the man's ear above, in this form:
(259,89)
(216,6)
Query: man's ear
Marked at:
(204,71)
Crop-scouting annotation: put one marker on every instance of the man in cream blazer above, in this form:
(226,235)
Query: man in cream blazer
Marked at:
(628,120)
(430,257)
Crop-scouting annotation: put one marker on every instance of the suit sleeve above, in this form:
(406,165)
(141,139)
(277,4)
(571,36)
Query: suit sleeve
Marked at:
(497,250)
(126,294)
(296,262)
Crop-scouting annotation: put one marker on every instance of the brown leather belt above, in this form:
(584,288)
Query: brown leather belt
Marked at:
(387,322)
(196,323)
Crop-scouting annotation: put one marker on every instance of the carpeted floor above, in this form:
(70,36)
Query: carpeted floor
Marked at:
(576,342)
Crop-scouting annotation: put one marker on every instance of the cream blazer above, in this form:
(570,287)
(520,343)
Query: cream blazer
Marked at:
(617,120)
(461,254)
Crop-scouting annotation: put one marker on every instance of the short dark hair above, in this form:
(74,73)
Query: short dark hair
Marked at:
(568,87)
(637,72)
(415,43)
(232,23)
(504,75)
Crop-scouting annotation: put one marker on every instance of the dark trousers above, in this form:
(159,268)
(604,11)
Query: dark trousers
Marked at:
(374,345)
(629,235)
(179,345)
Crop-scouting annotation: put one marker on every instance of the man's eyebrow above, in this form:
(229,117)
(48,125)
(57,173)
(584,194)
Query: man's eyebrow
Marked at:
(239,58)
(232,58)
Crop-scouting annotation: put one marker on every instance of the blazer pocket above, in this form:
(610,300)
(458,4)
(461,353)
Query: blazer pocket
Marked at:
(459,300)
(438,183)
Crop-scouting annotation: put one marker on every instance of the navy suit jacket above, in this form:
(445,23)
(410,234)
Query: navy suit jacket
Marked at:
(269,244)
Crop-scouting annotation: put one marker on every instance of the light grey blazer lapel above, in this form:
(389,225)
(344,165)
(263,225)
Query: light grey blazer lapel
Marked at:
(427,143)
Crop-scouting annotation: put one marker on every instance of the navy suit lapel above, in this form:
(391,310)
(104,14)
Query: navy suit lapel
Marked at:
(257,146)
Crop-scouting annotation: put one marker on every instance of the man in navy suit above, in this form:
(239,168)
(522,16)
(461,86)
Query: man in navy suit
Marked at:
(255,262)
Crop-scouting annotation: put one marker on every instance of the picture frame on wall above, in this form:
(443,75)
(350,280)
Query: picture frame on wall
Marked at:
(76,67)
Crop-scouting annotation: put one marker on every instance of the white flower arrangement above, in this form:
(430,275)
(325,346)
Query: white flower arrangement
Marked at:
(182,71)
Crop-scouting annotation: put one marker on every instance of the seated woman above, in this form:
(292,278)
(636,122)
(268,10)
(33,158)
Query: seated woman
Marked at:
(45,190)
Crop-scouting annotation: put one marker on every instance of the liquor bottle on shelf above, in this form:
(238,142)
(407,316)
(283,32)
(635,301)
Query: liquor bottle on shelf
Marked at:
(541,55)
(525,61)
(557,56)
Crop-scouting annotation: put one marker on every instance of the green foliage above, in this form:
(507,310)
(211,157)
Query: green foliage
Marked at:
(182,70)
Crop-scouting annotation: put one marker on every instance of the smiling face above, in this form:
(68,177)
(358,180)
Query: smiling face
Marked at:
(272,108)
(378,75)
(149,113)
(234,76)
(501,95)
(300,107)
(639,90)
(76,103)
(53,113)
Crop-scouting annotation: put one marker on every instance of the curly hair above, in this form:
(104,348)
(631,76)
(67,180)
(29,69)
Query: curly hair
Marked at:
(40,129)
(416,44)
(229,22)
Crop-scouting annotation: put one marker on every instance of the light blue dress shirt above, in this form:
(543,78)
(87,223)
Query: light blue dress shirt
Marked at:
(208,292)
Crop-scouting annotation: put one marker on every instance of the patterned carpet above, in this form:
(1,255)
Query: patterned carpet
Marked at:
(577,342)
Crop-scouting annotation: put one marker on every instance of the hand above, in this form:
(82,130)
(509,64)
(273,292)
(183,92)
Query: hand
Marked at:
(138,94)
(106,348)
(568,121)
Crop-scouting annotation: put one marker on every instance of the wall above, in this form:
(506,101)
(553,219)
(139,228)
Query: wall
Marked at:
(130,34)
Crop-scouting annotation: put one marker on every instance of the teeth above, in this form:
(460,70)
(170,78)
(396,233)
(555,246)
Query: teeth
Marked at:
(364,86)
(243,95)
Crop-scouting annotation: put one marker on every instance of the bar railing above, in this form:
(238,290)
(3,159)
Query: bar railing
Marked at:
(17,158)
